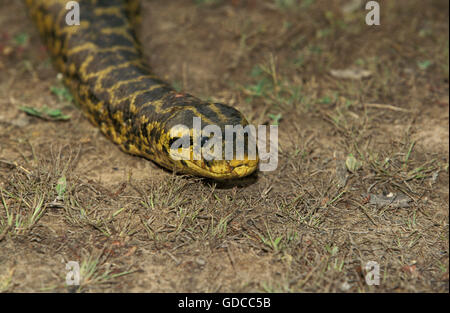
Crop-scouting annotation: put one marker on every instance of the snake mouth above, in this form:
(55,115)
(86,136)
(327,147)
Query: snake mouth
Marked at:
(222,170)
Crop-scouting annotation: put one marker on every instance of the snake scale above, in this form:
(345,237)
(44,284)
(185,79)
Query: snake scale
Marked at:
(103,66)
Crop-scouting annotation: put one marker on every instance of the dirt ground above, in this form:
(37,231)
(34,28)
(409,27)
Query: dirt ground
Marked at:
(363,160)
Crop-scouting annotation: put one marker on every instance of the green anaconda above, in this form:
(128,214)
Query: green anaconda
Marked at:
(103,65)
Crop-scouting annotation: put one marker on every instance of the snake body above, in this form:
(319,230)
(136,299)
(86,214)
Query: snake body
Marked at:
(103,66)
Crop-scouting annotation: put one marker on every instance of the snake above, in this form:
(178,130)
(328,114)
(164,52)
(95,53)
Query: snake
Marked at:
(103,65)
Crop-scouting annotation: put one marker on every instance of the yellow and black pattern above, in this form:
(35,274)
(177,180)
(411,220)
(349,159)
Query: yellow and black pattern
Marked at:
(103,66)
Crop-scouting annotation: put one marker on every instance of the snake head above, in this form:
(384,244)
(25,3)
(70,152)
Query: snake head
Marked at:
(212,140)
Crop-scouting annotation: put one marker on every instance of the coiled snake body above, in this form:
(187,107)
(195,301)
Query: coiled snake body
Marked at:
(104,68)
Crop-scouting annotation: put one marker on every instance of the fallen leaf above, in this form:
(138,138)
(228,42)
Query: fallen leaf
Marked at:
(351,73)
